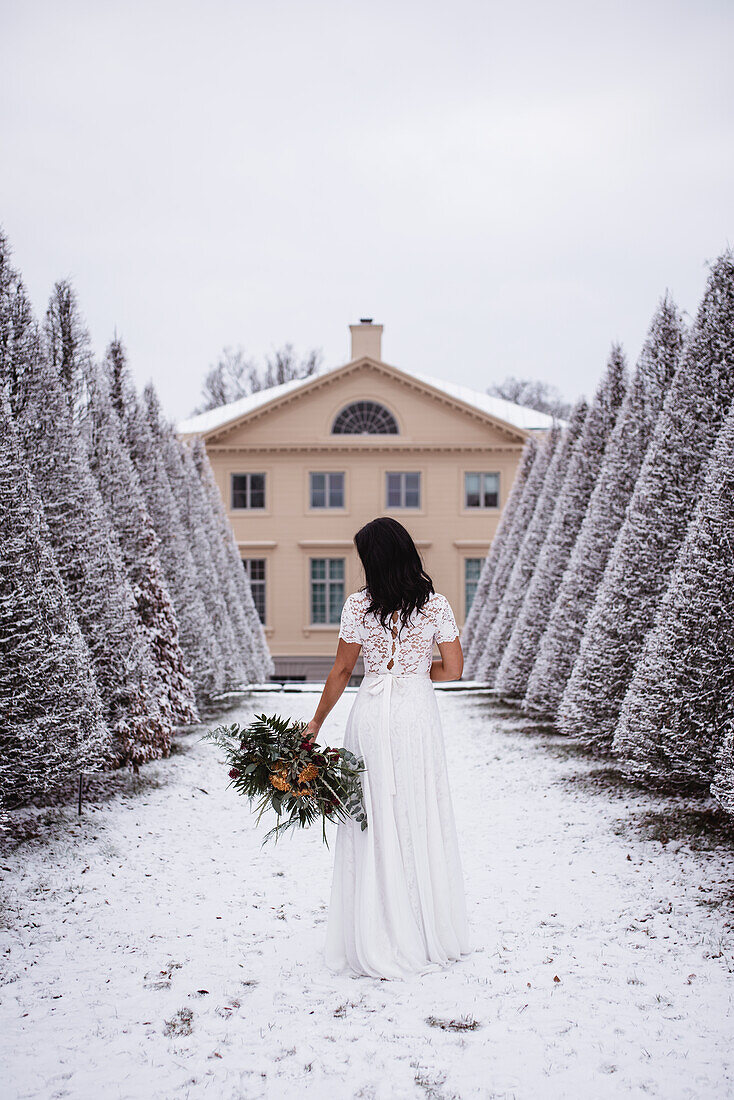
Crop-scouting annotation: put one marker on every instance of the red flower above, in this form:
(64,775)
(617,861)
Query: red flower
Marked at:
(233,773)
(307,743)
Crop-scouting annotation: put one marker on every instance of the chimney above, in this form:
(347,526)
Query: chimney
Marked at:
(366,339)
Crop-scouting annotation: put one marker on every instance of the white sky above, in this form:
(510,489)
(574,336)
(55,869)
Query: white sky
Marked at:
(506,186)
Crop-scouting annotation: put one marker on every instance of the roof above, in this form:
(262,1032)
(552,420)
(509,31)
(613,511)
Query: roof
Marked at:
(517,415)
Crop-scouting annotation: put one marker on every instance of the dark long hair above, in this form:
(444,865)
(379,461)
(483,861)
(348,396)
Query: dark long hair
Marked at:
(393,569)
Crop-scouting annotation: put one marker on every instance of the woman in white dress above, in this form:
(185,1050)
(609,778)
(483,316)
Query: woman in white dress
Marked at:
(397,898)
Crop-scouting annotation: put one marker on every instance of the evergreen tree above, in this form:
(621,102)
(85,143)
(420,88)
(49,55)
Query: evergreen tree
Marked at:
(568,514)
(8,279)
(722,787)
(264,665)
(89,560)
(51,721)
(681,697)
(621,464)
(249,640)
(17,327)
(643,555)
(68,346)
(196,516)
(198,639)
(529,549)
(490,562)
(120,487)
(511,545)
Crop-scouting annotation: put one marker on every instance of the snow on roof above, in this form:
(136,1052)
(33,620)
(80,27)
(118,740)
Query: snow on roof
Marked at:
(215,418)
(517,415)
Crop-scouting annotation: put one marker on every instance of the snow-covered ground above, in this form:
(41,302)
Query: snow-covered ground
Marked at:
(153,949)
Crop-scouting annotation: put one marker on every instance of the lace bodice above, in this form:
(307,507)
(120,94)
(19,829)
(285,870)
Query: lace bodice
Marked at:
(398,648)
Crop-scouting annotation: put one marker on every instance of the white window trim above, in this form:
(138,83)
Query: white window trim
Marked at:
(414,508)
(473,508)
(248,509)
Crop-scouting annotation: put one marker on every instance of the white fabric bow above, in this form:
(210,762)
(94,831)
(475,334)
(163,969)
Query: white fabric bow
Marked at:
(383,683)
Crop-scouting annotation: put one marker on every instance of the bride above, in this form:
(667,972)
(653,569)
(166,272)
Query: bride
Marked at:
(397,896)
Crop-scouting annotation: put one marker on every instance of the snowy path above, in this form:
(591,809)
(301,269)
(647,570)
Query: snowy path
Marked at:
(604,968)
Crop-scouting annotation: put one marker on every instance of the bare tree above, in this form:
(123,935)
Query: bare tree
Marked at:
(234,375)
(533,395)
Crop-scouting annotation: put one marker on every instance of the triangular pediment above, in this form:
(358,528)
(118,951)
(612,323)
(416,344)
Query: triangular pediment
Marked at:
(305,412)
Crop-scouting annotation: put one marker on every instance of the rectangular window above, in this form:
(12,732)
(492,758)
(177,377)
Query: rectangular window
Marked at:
(472,569)
(327,590)
(255,569)
(248,491)
(403,490)
(481,490)
(327,490)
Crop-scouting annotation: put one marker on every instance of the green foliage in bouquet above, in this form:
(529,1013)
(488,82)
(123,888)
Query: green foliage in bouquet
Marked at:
(271,761)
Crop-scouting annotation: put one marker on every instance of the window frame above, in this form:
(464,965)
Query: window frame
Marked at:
(466,582)
(249,474)
(473,508)
(259,584)
(328,475)
(364,401)
(327,581)
(402,507)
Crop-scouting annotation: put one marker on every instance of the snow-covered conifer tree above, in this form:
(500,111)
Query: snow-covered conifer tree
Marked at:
(90,562)
(529,549)
(198,639)
(661,505)
(681,696)
(568,514)
(722,787)
(511,544)
(51,721)
(621,464)
(120,487)
(8,279)
(264,664)
(17,326)
(196,516)
(490,562)
(68,346)
(249,638)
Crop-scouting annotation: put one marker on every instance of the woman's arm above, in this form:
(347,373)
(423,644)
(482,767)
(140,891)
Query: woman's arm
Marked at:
(341,671)
(451,665)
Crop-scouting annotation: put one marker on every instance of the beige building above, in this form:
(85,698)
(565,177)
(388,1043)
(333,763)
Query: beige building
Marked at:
(303,465)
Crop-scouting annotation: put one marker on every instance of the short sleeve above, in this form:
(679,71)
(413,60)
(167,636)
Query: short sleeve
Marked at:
(349,627)
(446,628)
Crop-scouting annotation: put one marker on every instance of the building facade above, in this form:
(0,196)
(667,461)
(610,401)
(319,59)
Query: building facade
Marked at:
(303,465)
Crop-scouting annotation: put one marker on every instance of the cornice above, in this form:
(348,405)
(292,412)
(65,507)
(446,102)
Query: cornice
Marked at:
(367,445)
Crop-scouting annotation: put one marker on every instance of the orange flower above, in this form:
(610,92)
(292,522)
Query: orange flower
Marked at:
(279,776)
(308,773)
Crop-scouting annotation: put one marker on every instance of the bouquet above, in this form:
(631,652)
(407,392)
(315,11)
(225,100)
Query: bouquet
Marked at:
(271,761)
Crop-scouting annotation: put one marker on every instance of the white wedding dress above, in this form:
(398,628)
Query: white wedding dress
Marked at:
(397,897)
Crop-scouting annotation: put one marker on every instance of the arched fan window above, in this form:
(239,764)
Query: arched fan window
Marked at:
(365,417)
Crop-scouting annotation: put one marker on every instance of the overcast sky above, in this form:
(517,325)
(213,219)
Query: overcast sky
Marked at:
(507,187)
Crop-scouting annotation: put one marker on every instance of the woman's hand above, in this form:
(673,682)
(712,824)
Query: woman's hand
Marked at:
(311,731)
